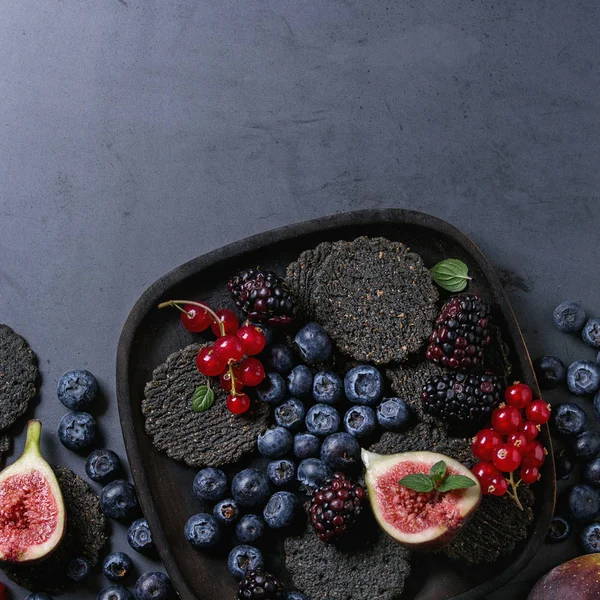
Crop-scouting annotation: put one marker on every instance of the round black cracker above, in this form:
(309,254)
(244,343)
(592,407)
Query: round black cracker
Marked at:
(85,536)
(214,437)
(376,569)
(19,376)
(376,299)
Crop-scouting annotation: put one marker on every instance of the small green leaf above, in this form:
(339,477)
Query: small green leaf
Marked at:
(438,471)
(418,482)
(451,274)
(202,399)
(456,482)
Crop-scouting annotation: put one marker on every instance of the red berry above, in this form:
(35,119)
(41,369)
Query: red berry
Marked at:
(506,458)
(538,412)
(209,363)
(238,404)
(253,339)
(506,419)
(485,471)
(229,320)
(229,348)
(484,444)
(529,474)
(535,454)
(518,395)
(3,592)
(252,371)
(530,430)
(195,319)
(518,440)
(498,486)
(225,379)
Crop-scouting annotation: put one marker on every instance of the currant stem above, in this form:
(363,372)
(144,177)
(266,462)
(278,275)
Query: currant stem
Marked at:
(214,316)
(233,390)
(515,494)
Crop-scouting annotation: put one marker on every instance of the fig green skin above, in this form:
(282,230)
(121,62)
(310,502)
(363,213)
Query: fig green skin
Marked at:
(578,578)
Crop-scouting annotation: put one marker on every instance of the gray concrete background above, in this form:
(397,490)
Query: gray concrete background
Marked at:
(138,134)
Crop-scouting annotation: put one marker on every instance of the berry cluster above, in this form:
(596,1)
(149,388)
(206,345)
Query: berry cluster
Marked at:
(510,443)
(230,357)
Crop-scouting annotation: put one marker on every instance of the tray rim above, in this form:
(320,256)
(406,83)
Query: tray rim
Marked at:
(288,232)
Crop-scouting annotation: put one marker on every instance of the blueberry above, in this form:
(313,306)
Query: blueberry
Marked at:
(244,558)
(280,510)
(322,419)
(78,569)
(559,531)
(290,414)
(591,333)
(210,484)
(341,452)
(569,317)
(202,531)
(275,442)
(327,387)
(77,389)
(550,371)
(583,377)
(363,385)
(586,446)
(153,586)
(103,466)
(118,500)
(295,596)
(300,381)
(394,414)
(568,420)
(280,358)
(306,445)
(583,502)
(139,536)
(250,528)
(313,344)
(598,358)
(117,566)
(250,487)
(111,592)
(360,421)
(227,511)
(77,431)
(591,472)
(43,596)
(564,465)
(281,472)
(597,406)
(272,389)
(590,538)
(313,473)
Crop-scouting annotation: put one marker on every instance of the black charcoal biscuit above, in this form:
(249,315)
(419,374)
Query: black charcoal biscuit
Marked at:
(374,297)
(19,376)
(376,570)
(214,437)
(85,536)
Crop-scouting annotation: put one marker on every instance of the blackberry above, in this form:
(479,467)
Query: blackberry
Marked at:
(461,333)
(462,400)
(335,506)
(258,585)
(263,296)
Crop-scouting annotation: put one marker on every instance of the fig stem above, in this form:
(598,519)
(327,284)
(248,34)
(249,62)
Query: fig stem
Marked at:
(515,494)
(34,433)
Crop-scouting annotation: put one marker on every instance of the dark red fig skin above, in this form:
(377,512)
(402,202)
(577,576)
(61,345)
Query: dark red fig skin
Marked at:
(577,579)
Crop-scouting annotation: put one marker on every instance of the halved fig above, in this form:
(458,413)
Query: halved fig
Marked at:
(32,510)
(418,520)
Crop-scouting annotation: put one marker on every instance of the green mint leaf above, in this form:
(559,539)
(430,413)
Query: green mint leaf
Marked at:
(418,482)
(202,399)
(438,471)
(451,274)
(456,482)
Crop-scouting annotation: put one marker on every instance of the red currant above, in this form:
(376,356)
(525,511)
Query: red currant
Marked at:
(530,430)
(225,380)
(252,371)
(253,339)
(518,395)
(238,404)
(506,419)
(484,471)
(498,486)
(209,363)
(529,474)
(229,320)
(506,458)
(195,318)
(484,444)
(229,348)
(535,454)
(518,440)
(538,412)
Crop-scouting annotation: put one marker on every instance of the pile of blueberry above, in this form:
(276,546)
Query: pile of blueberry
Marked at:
(569,424)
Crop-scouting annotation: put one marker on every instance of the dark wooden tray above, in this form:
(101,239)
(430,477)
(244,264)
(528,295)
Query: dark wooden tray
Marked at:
(149,336)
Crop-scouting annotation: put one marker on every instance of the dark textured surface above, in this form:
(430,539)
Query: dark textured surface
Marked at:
(211,438)
(139,134)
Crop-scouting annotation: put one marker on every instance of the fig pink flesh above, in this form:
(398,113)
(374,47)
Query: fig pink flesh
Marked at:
(28,513)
